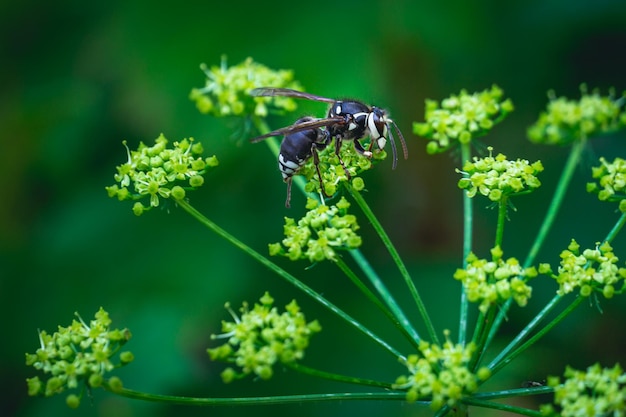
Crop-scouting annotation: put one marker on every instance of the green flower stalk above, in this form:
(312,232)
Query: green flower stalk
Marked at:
(498,178)
(160,172)
(592,270)
(78,354)
(319,234)
(440,373)
(494,281)
(611,181)
(595,392)
(261,337)
(226,92)
(461,118)
(565,121)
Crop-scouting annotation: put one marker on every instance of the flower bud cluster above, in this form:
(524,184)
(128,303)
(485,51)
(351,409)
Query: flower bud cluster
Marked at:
(261,337)
(611,185)
(595,392)
(160,171)
(565,121)
(495,281)
(226,92)
(333,173)
(593,269)
(462,118)
(79,353)
(440,373)
(319,234)
(498,178)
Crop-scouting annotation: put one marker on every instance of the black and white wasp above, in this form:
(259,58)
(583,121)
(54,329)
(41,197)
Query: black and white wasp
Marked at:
(346,120)
(297,147)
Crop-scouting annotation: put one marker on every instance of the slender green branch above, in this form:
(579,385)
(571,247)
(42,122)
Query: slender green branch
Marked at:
(337,377)
(557,200)
(509,393)
(502,211)
(553,209)
(468,220)
(285,275)
(502,356)
(502,407)
(396,258)
(512,355)
(405,328)
(280,399)
(616,229)
(386,296)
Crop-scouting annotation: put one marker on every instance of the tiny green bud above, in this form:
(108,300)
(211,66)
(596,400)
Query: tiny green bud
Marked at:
(178,192)
(358,184)
(115,384)
(196,181)
(72,401)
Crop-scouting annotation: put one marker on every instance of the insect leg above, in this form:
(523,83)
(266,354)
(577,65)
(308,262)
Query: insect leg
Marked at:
(316,162)
(288,181)
(337,152)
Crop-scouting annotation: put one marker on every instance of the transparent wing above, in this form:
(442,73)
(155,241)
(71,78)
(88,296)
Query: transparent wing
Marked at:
(287,92)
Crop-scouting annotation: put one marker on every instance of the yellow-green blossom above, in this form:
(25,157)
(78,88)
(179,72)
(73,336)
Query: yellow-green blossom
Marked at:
(441,374)
(499,178)
(80,354)
(226,92)
(462,118)
(611,181)
(592,270)
(160,171)
(490,282)
(262,336)
(595,392)
(319,234)
(567,120)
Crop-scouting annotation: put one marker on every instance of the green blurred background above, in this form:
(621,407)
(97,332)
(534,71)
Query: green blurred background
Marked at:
(77,79)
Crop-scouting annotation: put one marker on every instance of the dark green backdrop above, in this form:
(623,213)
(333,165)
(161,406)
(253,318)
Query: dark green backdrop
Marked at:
(77,79)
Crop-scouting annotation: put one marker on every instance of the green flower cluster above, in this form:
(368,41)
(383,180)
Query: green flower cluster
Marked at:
(333,173)
(491,282)
(226,92)
(611,185)
(498,178)
(261,337)
(594,269)
(160,171)
(440,373)
(78,353)
(595,392)
(462,118)
(319,234)
(565,121)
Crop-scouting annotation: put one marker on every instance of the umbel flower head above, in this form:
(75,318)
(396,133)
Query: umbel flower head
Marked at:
(441,373)
(611,181)
(78,354)
(595,392)
(226,92)
(592,270)
(499,178)
(565,121)
(261,337)
(333,173)
(496,280)
(160,171)
(462,118)
(319,234)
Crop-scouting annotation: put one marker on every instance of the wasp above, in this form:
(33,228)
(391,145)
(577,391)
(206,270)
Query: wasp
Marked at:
(346,120)
(297,147)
